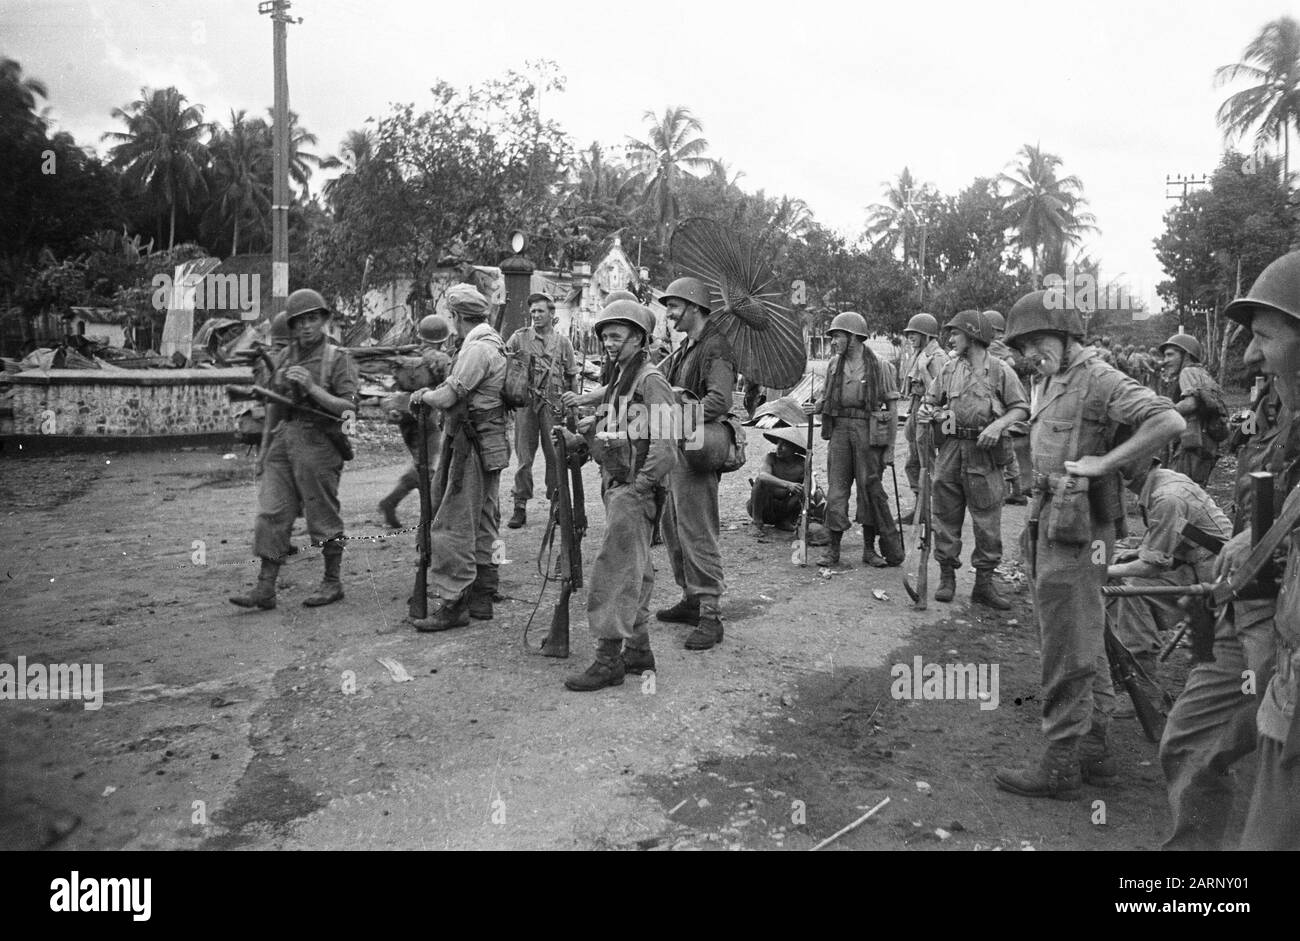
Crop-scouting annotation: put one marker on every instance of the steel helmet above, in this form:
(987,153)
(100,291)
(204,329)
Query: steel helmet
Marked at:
(280,327)
(850,322)
(924,324)
(973,324)
(434,329)
(628,312)
(1033,314)
(1276,288)
(995,319)
(1187,343)
(304,301)
(619,296)
(691,290)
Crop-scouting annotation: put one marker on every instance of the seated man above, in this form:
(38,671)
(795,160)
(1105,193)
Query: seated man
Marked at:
(776,493)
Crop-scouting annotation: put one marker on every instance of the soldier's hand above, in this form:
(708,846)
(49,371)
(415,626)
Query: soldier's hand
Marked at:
(1233,555)
(300,376)
(809,409)
(569,399)
(586,424)
(1090,465)
(989,437)
(417,400)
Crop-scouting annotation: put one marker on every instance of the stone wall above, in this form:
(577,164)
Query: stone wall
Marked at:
(130,403)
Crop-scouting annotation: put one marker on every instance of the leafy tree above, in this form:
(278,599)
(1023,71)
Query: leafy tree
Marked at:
(672,148)
(1272,106)
(241,177)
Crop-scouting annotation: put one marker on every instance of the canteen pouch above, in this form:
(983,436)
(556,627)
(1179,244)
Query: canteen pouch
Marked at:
(735,457)
(1069,521)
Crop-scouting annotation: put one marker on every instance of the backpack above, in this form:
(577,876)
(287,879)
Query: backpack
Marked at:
(1214,415)
(516,390)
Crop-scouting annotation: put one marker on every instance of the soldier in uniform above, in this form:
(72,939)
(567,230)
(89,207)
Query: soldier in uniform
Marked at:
(622,578)
(1196,396)
(1078,407)
(704,366)
(974,399)
(304,460)
(859,416)
(463,573)
(1271,311)
(919,369)
(429,370)
(998,348)
(554,371)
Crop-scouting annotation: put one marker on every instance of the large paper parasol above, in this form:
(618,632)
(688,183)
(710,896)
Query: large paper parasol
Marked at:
(766,337)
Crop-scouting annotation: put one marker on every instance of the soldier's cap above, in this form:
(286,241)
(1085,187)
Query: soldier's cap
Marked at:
(797,436)
(465,301)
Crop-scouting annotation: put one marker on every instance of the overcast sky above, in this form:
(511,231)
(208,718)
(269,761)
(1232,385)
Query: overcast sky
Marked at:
(824,101)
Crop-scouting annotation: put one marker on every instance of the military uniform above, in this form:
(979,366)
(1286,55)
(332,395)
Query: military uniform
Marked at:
(554,365)
(1011,472)
(1195,453)
(428,371)
(921,370)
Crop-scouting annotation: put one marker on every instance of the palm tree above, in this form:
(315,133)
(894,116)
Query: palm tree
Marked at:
(356,150)
(1048,211)
(241,169)
(1273,60)
(18,98)
(671,148)
(903,212)
(162,149)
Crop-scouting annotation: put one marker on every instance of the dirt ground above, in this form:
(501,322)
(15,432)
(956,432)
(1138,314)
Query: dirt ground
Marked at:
(224,728)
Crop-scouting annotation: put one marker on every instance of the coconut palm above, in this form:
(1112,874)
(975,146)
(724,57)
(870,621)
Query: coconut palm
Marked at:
(301,160)
(1273,105)
(1047,211)
(672,148)
(18,99)
(901,215)
(356,150)
(241,171)
(162,150)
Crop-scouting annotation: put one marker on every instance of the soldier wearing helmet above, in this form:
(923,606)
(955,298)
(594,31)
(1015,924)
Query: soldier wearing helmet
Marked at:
(1199,400)
(975,398)
(1079,405)
(302,464)
(704,366)
(859,416)
(463,573)
(427,370)
(998,348)
(1271,311)
(635,457)
(918,368)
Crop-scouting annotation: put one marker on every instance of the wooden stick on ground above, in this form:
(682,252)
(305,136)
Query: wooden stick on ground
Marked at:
(853,826)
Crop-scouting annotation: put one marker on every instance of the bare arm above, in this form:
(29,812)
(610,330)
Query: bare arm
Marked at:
(1150,436)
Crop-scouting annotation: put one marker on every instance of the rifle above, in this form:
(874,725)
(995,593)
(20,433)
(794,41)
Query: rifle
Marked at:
(568,511)
(800,555)
(266,395)
(921,591)
(1125,671)
(418,604)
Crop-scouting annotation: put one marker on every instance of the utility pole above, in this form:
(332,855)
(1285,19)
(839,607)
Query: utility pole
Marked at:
(278,10)
(910,205)
(1186,183)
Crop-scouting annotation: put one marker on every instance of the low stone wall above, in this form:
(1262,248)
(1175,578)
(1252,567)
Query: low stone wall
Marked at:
(125,403)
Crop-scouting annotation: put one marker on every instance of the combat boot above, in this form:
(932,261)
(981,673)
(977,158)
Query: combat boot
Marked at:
(891,544)
(331,588)
(706,634)
(686,611)
(482,592)
(636,660)
(608,670)
(263,594)
(985,592)
(1017,496)
(947,583)
(1097,765)
(832,554)
(449,614)
(1056,776)
(869,555)
(519,519)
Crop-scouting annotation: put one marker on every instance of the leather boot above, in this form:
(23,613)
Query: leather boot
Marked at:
(388,505)
(832,554)
(947,583)
(482,592)
(608,669)
(519,519)
(331,588)
(985,592)
(891,545)
(1097,766)
(1056,775)
(1016,496)
(869,555)
(636,660)
(686,611)
(263,594)
(706,634)
(449,614)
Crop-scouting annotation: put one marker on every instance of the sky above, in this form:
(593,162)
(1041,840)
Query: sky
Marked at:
(817,100)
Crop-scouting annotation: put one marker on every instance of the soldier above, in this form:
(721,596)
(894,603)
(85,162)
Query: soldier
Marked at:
(427,372)
(463,573)
(776,492)
(303,462)
(1077,408)
(1271,311)
(554,370)
(977,396)
(622,578)
(1197,397)
(1011,473)
(704,366)
(859,416)
(920,368)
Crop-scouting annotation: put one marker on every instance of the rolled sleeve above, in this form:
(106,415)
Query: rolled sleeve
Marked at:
(1166,518)
(719,379)
(1013,393)
(568,358)
(1128,403)
(471,368)
(345,379)
(662,455)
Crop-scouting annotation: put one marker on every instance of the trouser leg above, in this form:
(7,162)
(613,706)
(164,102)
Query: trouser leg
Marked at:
(691,528)
(947,505)
(456,533)
(1273,821)
(527,434)
(622,576)
(278,503)
(840,472)
(913,466)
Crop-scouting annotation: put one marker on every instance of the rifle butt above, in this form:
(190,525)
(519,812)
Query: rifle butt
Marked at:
(418,604)
(557,641)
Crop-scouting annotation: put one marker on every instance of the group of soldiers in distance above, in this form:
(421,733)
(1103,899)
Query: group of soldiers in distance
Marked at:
(1094,421)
